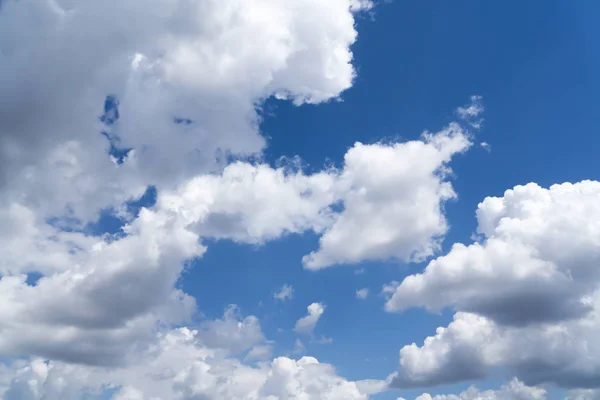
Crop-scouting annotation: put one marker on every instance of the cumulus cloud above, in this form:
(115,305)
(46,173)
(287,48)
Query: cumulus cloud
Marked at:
(177,94)
(528,294)
(537,261)
(393,192)
(392,197)
(181,59)
(306,325)
(362,293)
(512,390)
(180,369)
(232,333)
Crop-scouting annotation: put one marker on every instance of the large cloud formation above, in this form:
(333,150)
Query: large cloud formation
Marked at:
(528,293)
(179,367)
(100,101)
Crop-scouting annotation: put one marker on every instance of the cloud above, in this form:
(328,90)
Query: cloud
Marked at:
(527,295)
(306,325)
(362,293)
(583,394)
(111,297)
(190,59)
(178,367)
(394,192)
(180,90)
(539,251)
(286,293)
(232,334)
(474,109)
(512,390)
(472,112)
(259,352)
(395,195)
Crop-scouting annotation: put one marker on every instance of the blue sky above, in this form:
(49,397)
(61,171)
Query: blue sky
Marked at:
(535,64)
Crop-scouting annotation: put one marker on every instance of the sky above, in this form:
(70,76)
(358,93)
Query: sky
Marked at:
(300,200)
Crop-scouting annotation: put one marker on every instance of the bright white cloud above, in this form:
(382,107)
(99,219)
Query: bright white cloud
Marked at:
(177,368)
(181,59)
(392,197)
(537,261)
(513,390)
(528,295)
(394,193)
(307,324)
(286,293)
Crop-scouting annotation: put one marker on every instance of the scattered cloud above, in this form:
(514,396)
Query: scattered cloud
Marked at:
(527,296)
(362,293)
(286,293)
(306,325)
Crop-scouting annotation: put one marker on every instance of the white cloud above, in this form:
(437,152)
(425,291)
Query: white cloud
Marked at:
(128,393)
(362,293)
(528,295)
(394,192)
(307,324)
(474,109)
(512,390)
(178,368)
(99,298)
(190,59)
(393,196)
(232,334)
(286,293)
(259,352)
(472,112)
(540,251)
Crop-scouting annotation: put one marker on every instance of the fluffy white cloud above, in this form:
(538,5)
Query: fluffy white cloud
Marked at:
(307,324)
(392,201)
(513,390)
(393,192)
(195,60)
(110,298)
(528,295)
(231,334)
(187,80)
(286,293)
(253,203)
(177,368)
(537,262)
(362,293)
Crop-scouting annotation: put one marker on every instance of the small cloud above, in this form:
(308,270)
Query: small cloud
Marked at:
(324,340)
(306,324)
(362,293)
(486,146)
(359,271)
(286,293)
(471,112)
